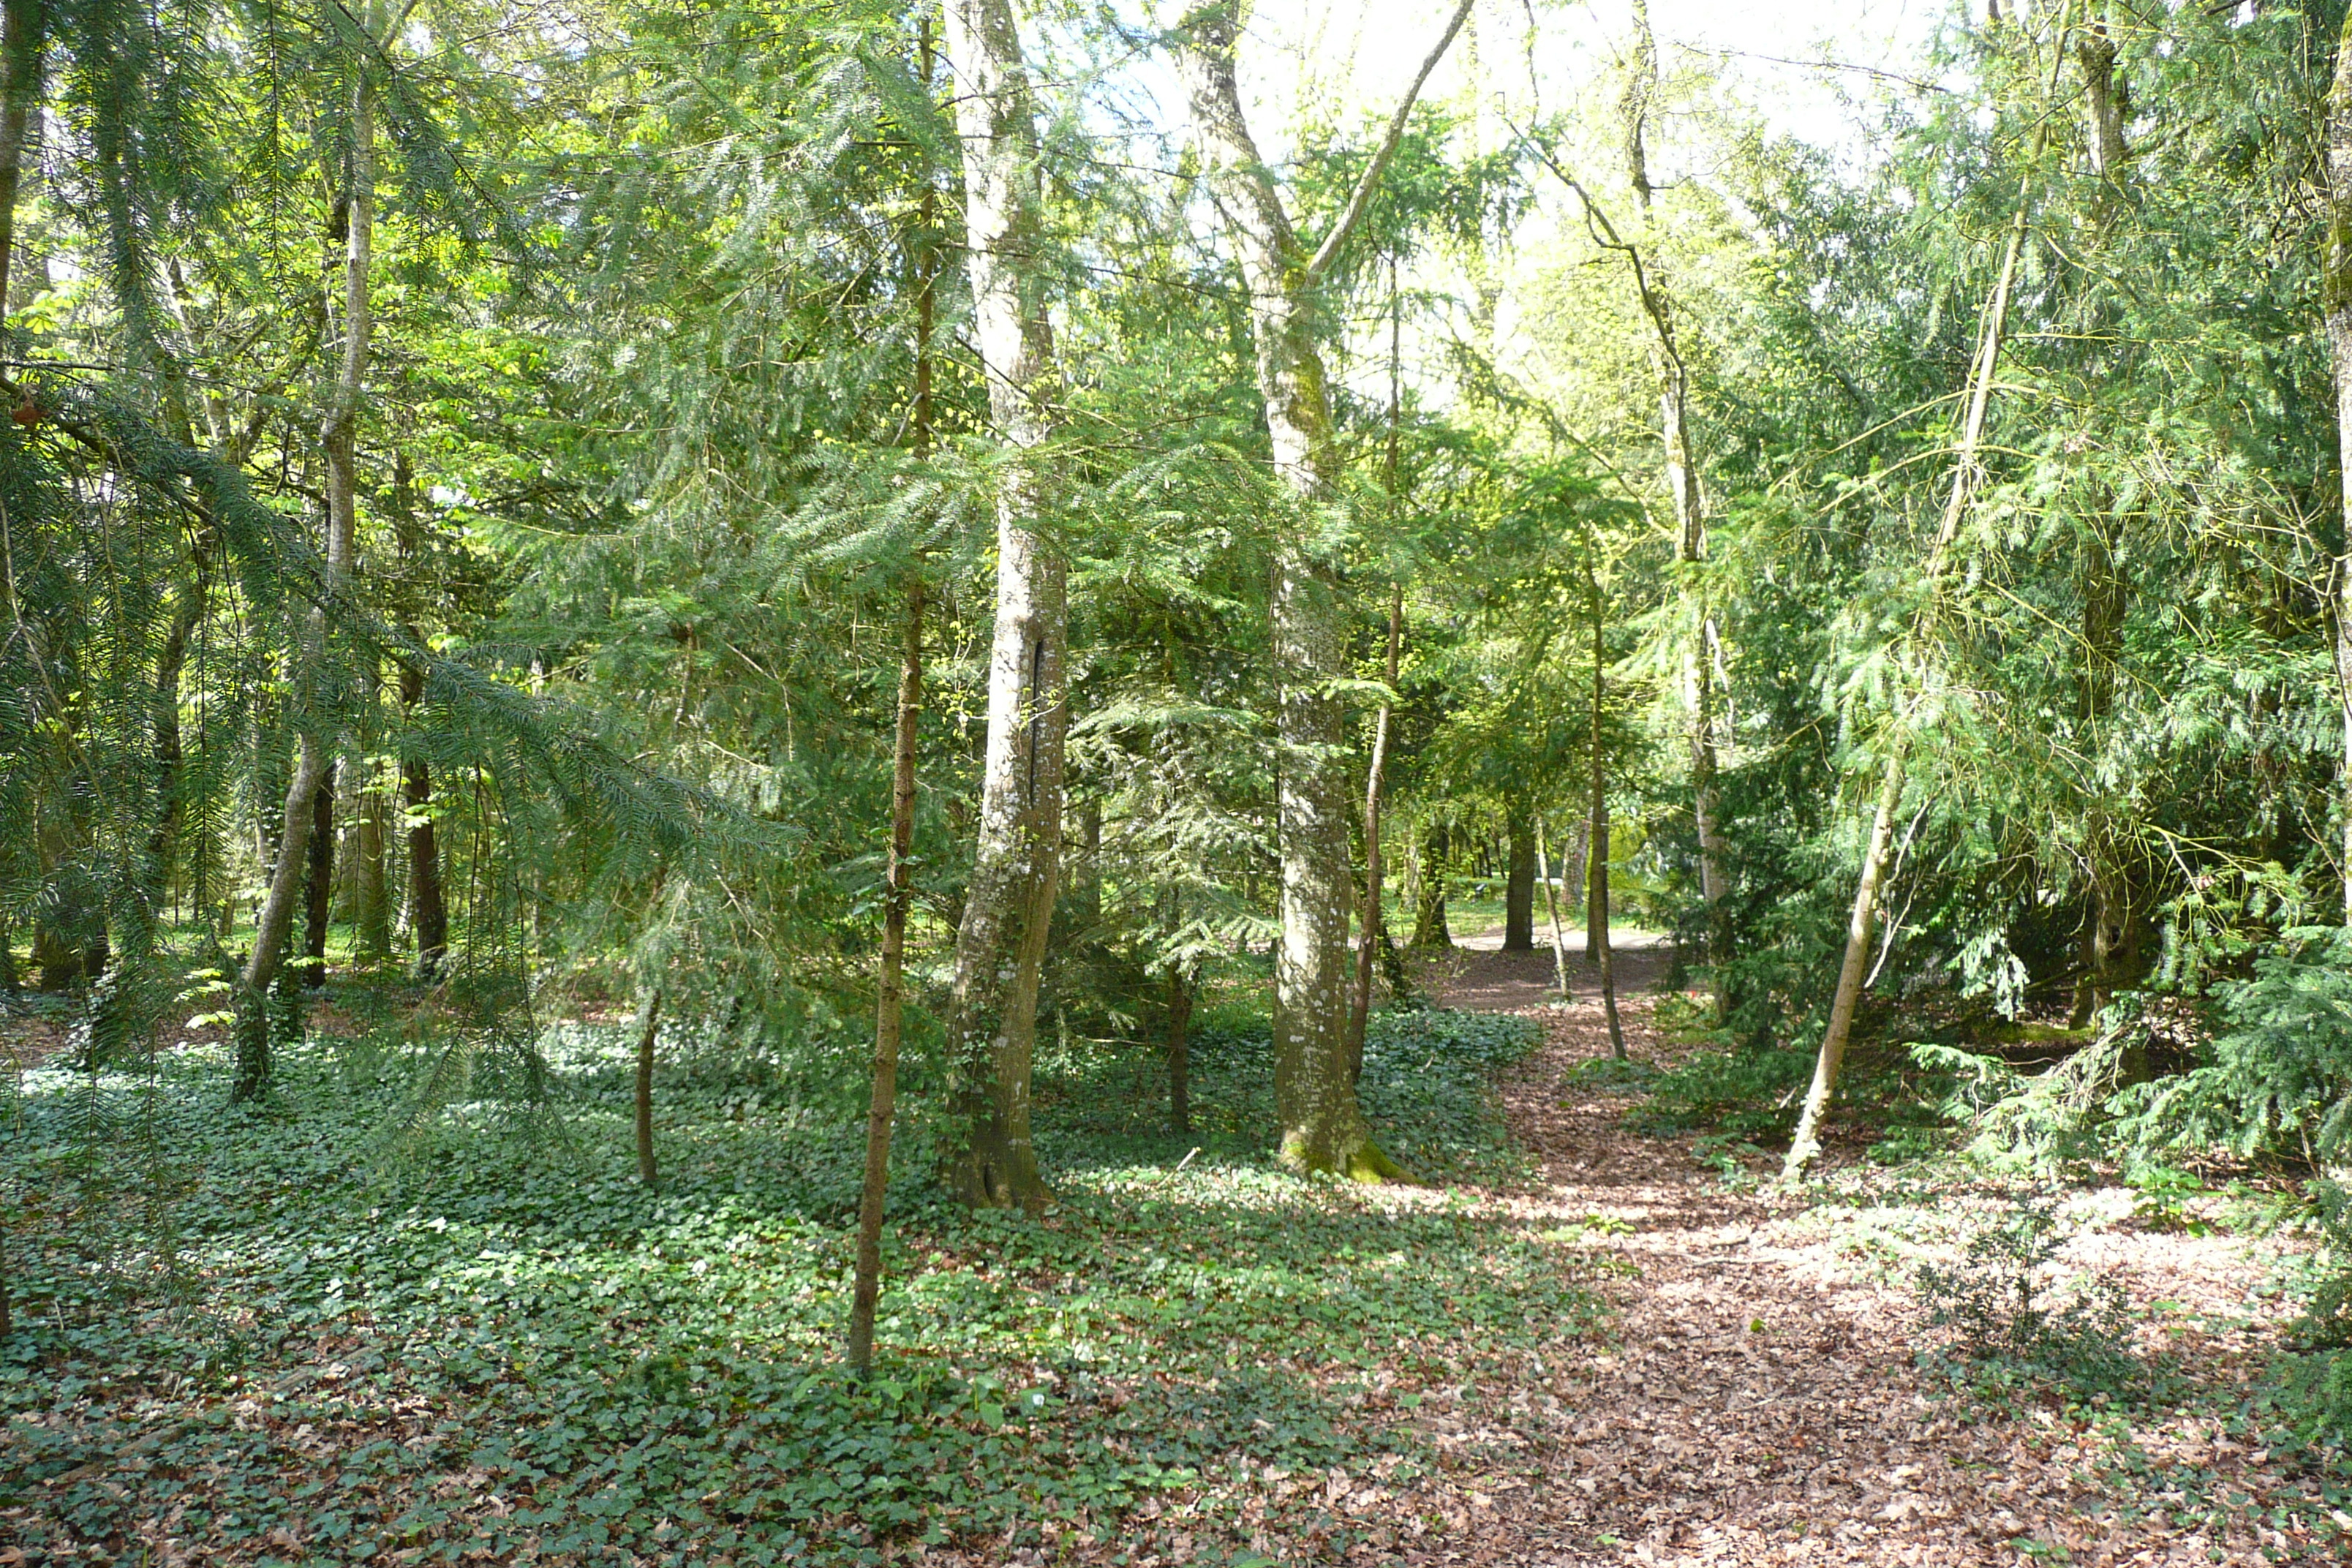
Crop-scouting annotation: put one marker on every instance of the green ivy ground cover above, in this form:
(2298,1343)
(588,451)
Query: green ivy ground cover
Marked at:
(277,1337)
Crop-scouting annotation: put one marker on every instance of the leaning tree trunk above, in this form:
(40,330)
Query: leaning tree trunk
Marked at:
(1001,940)
(1967,473)
(2338,302)
(338,433)
(1321,1126)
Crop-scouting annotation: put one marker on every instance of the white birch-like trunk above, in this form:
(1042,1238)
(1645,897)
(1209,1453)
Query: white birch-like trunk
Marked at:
(1000,944)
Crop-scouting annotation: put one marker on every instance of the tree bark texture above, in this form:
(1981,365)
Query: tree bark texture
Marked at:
(1860,929)
(23,37)
(1596,930)
(1519,884)
(1001,940)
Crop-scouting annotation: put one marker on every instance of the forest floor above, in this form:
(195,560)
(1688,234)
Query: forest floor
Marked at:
(387,1320)
(1759,1396)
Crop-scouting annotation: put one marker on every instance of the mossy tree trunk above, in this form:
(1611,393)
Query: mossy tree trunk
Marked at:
(1321,1126)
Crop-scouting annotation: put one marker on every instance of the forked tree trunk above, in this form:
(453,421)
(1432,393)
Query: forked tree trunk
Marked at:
(1000,942)
(1321,1126)
(338,434)
(2338,285)
(1968,472)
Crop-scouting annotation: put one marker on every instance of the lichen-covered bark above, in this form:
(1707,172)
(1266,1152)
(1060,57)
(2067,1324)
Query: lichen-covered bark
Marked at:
(1001,942)
(1321,1126)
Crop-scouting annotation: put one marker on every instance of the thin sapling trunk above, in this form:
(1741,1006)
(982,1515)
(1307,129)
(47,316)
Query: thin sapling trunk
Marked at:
(648,1035)
(890,1002)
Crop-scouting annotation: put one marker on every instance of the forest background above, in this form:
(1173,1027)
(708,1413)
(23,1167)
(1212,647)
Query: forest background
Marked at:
(584,581)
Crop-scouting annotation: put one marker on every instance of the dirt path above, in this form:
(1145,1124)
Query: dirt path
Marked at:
(1759,1402)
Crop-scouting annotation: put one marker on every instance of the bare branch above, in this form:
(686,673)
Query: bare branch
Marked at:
(1353,213)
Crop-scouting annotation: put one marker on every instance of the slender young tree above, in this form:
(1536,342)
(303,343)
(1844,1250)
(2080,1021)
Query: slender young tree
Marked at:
(1967,475)
(2337,283)
(1321,1126)
(897,878)
(1596,930)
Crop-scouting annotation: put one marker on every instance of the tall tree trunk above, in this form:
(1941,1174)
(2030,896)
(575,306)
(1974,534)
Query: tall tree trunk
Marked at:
(2338,294)
(1684,490)
(1596,930)
(1519,884)
(1429,908)
(1001,940)
(24,38)
(338,433)
(1967,473)
(1321,1126)
(648,1035)
(1375,922)
(320,885)
(1180,1049)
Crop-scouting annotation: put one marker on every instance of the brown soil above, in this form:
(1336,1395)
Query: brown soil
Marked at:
(1756,1398)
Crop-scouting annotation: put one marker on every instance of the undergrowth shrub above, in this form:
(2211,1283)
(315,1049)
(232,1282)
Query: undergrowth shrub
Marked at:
(1749,1093)
(2018,1326)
